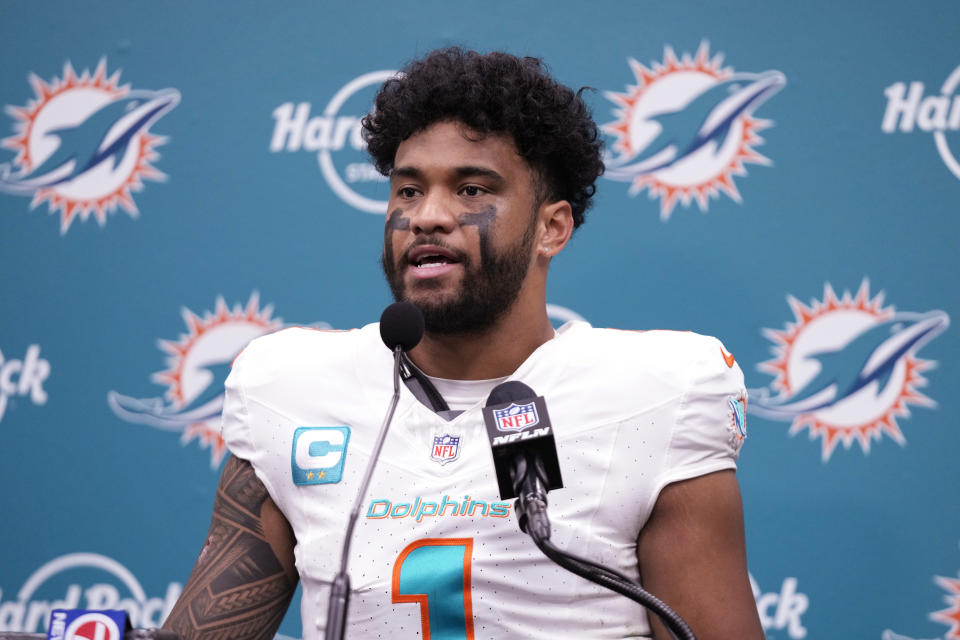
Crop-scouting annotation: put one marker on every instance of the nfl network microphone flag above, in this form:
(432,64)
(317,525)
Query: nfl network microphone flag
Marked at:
(84,624)
(516,427)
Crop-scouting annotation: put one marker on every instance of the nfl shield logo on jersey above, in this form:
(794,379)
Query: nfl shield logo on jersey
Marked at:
(516,417)
(445,449)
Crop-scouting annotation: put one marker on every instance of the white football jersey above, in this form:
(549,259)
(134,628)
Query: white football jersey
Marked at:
(436,553)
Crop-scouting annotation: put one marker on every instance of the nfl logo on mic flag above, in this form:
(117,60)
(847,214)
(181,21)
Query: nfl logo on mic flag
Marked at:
(516,417)
(445,448)
(521,428)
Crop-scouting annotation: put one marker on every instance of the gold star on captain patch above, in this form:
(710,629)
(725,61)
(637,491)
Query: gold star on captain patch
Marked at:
(321,475)
(310,475)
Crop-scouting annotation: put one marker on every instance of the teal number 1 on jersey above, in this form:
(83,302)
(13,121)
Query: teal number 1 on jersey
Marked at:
(435,573)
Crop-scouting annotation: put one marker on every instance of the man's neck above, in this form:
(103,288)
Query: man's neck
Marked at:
(492,353)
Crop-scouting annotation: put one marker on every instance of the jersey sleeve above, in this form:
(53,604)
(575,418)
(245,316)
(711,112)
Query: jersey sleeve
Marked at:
(235,427)
(710,424)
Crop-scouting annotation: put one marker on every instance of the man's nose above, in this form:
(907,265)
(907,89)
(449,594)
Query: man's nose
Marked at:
(436,214)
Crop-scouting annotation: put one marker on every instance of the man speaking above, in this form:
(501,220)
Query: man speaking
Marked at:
(492,165)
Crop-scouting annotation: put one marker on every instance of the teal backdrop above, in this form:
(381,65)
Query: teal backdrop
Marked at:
(177,178)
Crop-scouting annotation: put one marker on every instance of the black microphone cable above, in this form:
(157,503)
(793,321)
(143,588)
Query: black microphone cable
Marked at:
(531,507)
(616,581)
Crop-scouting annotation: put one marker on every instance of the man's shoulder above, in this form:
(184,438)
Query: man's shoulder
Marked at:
(654,347)
(672,360)
(300,337)
(299,350)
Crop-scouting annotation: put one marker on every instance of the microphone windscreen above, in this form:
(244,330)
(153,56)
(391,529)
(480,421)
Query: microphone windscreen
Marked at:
(510,391)
(401,325)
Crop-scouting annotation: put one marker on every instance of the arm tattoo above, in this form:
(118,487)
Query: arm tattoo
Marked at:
(238,589)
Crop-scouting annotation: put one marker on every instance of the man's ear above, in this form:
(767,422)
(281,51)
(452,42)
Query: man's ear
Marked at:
(556,227)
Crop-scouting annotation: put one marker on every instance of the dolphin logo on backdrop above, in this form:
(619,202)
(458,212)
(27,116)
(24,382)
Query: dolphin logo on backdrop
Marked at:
(83,144)
(686,128)
(846,368)
(198,364)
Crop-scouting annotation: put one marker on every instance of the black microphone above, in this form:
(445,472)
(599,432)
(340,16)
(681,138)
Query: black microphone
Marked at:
(401,325)
(524,452)
(401,328)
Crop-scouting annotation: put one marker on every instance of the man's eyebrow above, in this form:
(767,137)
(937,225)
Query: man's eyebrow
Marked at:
(468,171)
(479,172)
(406,172)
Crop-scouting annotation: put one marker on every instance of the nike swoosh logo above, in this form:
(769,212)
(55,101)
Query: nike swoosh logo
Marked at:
(727,357)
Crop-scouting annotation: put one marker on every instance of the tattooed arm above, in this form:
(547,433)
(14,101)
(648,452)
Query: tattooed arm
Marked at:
(245,576)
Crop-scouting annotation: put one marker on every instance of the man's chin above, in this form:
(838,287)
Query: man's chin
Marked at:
(430,301)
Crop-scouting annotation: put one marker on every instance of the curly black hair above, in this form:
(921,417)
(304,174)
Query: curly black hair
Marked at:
(494,93)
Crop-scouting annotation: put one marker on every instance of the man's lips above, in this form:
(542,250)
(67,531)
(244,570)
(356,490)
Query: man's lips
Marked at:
(428,261)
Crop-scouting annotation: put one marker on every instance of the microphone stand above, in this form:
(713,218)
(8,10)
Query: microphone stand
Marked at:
(340,589)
